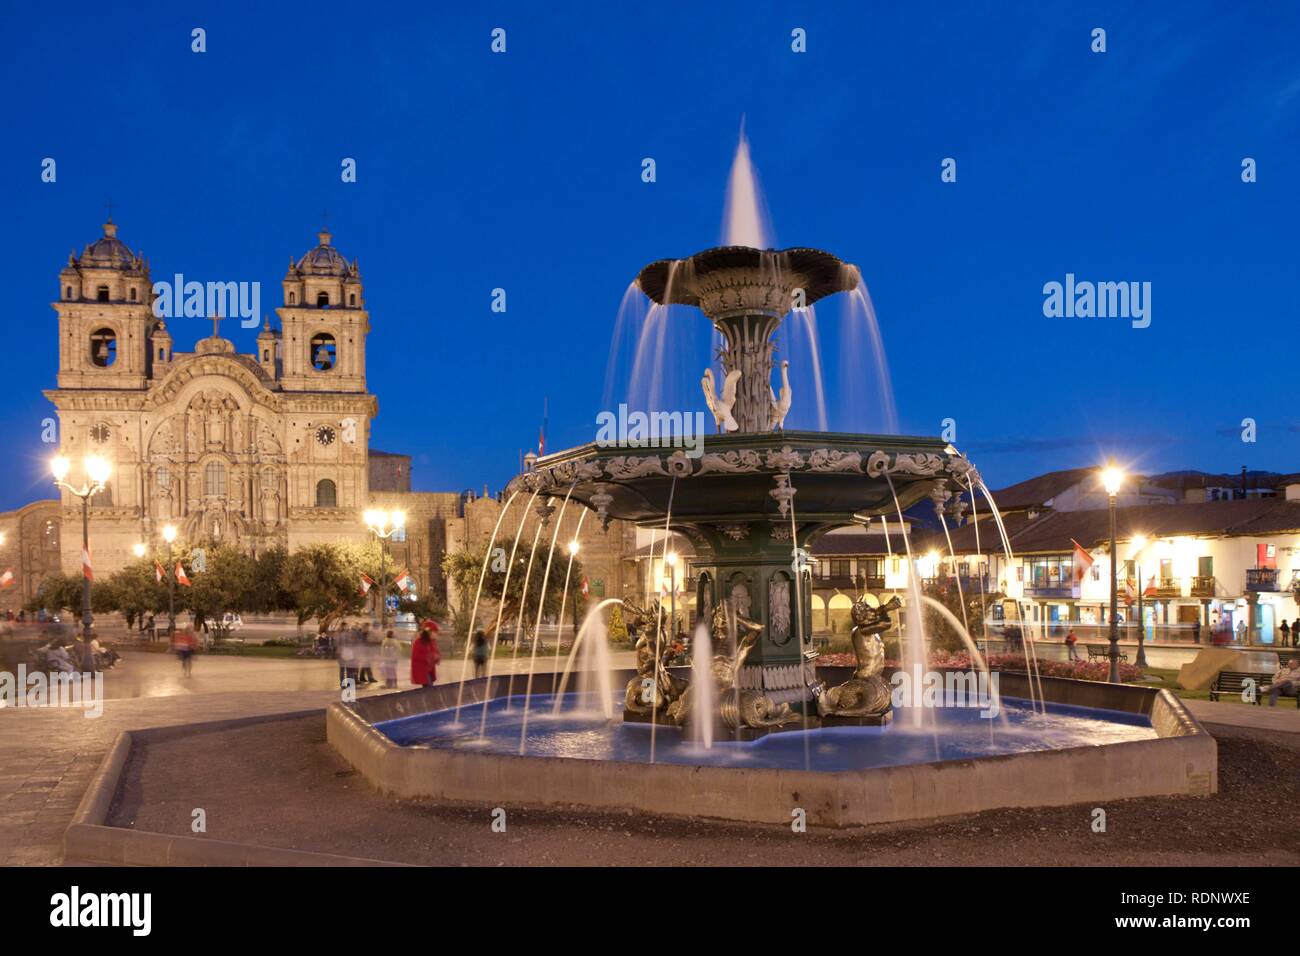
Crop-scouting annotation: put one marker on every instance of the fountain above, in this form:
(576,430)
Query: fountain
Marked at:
(753,726)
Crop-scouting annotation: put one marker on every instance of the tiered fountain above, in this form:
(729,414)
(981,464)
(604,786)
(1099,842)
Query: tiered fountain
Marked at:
(754,501)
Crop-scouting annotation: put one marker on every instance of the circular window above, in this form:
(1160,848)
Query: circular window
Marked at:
(325,435)
(100,433)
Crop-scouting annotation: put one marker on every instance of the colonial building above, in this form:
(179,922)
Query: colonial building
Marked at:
(259,450)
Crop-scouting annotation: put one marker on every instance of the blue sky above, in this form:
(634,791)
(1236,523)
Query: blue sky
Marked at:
(523,171)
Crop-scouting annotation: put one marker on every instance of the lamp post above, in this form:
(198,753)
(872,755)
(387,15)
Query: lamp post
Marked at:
(169,535)
(1111,479)
(96,476)
(573,553)
(1139,543)
(383,525)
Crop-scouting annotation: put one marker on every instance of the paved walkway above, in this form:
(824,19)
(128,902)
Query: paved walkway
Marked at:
(48,755)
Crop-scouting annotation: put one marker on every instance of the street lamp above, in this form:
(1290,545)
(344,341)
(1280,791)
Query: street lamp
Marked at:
(573,553)
(1140,542)
(96,470)
(1111,479)
(169,535)
(383,525)
(138,549)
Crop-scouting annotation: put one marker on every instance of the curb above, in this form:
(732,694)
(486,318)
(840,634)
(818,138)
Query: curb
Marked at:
(88,840)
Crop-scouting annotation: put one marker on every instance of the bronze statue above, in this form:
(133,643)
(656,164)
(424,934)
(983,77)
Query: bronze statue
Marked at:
(653,689)
(865,694)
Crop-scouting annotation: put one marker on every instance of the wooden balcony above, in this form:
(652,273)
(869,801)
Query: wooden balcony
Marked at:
(1262,579)
(1168,588)
(1203,586)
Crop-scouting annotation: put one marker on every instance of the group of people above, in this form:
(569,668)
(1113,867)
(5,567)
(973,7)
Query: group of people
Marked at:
(1290,632)
(361,654)
(70,655)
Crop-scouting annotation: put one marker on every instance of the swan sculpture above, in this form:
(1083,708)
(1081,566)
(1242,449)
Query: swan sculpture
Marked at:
(720,406)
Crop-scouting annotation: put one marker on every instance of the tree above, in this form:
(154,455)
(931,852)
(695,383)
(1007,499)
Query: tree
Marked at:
(134,591)
(617,626)
(464,567)
(325,582)
(59,592)
(226,586)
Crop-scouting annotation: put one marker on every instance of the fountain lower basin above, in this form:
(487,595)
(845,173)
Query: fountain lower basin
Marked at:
(869,775)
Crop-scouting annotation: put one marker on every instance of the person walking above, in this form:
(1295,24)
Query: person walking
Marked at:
(480,654)
(1241,632)
(365,656)
(183,643)
(425,656)
(1072,651)
(348,655)
(389,651)
(1286,631)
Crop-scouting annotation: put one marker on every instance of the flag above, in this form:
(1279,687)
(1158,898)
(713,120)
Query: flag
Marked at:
(541,435)
(1130,592)
(7,579)
(404,581)
(1082,561)
(1151,587)
(86,570)
(366,584)
(180,575)
(158,572)
(586,589)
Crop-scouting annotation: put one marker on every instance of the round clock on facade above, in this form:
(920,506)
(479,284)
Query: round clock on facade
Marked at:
(325,435)
(100,433)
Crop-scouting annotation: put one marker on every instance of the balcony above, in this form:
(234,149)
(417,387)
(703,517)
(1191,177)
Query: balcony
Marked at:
(1050,589)
(1262,579)
(1168,588)
(1203,586)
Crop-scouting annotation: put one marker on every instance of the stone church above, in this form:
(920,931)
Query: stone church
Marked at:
(260,451)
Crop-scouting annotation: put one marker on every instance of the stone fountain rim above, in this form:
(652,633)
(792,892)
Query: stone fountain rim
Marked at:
(825,270)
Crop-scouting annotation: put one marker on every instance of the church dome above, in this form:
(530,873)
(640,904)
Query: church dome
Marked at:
(324,260)
(109,252)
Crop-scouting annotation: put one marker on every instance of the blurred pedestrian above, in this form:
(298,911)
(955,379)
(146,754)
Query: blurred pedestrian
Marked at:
(1071,642)
(480,654)
(425,656)
(365,655)
(184,643)
(389,652)
(348,655)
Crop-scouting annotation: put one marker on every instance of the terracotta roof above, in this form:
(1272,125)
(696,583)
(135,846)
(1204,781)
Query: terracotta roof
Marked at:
(1040,489)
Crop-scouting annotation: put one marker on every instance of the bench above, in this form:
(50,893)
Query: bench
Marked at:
(1101,652)
(1234,682)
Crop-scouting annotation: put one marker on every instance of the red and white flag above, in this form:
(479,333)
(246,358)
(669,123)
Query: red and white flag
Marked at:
(404,581)
(1151,587)
(586,589)
(1082,561)
(7,579)
(180,575)
(366,584)
(158,572)
(86,570)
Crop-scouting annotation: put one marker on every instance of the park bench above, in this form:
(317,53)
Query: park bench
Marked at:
(1101,652)
(1234,682)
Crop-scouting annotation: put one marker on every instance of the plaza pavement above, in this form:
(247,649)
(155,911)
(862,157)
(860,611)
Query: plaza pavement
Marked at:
(48,755)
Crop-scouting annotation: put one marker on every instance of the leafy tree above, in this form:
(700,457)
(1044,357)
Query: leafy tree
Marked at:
(464,567)
(60,592)
(225,586)
(325,581)
(134,591)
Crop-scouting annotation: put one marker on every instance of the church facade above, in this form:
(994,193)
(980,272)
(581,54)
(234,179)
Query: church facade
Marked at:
(259,451)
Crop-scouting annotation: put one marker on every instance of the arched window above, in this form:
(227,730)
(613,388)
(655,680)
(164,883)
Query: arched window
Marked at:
(266,355)
(103,498)
(67,293)
(323,300)
(326,494)
(352,299)
(132,293)
(214,478)
(160,353)
(103,347)
(102,293)
(323,355)
(164,477)
(293,298)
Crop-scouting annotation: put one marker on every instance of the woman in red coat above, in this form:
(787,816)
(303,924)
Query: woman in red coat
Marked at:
(425,656)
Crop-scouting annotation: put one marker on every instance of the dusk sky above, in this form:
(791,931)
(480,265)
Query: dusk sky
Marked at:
(523,171)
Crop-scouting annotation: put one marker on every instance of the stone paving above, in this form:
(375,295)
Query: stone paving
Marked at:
(48,755)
